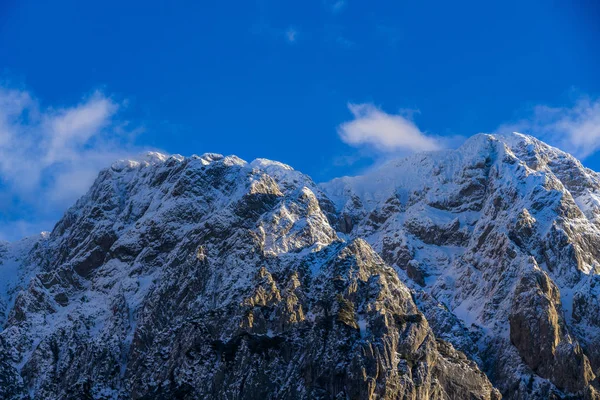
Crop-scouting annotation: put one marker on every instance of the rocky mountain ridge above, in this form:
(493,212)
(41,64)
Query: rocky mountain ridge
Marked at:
(457,274)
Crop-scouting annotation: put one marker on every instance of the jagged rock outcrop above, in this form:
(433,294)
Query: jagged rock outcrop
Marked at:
(208,277)
(538,331)
(439,276)
(499,239)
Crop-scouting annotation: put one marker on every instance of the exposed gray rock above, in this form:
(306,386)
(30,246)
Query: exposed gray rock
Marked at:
(434,277)
(208,277)
(499,240)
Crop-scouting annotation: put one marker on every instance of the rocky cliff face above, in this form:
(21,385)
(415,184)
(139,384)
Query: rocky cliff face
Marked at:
(450,275)
(499,240)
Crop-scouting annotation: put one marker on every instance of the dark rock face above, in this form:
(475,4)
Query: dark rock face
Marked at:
(209,277)
(499,241)
(350,331)
(538,332)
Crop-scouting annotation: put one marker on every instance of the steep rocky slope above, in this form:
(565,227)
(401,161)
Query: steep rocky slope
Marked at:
(500,240)
(210,277)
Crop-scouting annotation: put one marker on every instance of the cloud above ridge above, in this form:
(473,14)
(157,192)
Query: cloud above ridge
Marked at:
(385,132)
(575,129)
(49,156)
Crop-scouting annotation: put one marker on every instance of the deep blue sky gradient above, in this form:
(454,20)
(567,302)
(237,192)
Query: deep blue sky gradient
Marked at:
(219,76)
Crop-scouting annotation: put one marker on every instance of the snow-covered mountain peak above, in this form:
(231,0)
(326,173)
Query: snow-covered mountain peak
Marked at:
(143,160)
(442,168)
(264,164)
(413,173)
(189,277)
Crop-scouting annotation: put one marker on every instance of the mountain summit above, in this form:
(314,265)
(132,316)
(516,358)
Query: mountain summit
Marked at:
(460,274)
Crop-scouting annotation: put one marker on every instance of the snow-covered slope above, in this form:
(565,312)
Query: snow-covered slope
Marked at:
(208,277)
(211,277)
(15,270)
(474,229)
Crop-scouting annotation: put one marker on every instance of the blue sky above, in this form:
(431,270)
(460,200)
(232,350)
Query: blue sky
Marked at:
(327,86)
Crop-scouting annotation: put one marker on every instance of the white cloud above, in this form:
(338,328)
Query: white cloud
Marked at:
(574,129)
(344,42)
(50,156)
(337,5)
(291,34)
(18,229)
(72,128)
(265,29)
(385,132)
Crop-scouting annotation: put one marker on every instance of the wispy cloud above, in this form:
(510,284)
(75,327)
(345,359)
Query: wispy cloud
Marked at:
(335,34)
(385,132)
(344,42)
(575,129)
(291,34)
(265,29)
(49,156)
(335,5)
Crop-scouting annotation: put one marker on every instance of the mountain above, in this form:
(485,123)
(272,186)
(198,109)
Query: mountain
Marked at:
(500,240)
(462,274)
